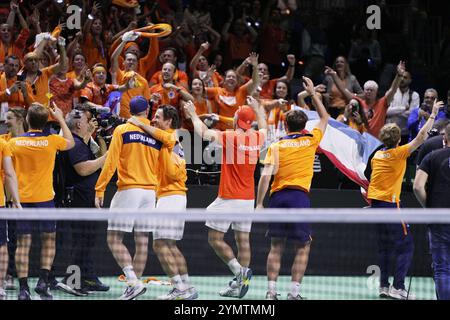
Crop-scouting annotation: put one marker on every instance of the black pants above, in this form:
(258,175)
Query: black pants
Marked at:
(12,246)
(76,243)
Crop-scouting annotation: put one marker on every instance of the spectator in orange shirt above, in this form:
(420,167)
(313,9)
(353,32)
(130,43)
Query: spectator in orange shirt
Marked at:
(97,91)
(267,86)
(64,89)
(130,66)
(228,98)
(38,79)
(203,106)
(12,91)
(375,109)
(146,62)
(200,68)
(7,44)
(93,44)
(169,55)
(241,41)
(167,92)
(78,66)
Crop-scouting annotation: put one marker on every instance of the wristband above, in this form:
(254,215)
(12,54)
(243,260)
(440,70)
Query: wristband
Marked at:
(433,117)
(8,92)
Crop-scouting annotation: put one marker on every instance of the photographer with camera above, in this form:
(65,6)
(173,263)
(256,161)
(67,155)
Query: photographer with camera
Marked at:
(354,117)
(82,169)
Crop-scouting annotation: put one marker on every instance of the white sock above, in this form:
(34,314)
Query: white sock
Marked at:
(272,286)
(234,266)
(295,288)
(129,273)
(178,283)
(186,280)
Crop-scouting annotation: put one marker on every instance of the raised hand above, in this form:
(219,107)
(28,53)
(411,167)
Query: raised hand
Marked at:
(189,108)
(437,106)
(253,103)
(329,71)
(253,58)
(14,5)
(291,59)
(130,36)
(204,46)
(95,8)
(309,86)
(401,69)
(56,113)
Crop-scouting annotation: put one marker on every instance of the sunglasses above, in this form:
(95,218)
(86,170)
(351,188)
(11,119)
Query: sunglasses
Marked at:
(33,87)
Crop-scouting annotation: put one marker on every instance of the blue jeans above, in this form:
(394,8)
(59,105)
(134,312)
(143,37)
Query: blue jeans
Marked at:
(440,252)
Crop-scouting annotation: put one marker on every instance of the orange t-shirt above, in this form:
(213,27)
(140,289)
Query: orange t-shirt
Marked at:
(240,155)
(63,92)
(146,63)
(72,75)
(4,152)
(228,102)
(388,169)
(14,100)
(38,90)
(201,107)
(376,115)
(17,48)
(337,99)
(268,89)
(180,78)
(97,95)
(141,90)
(293,158)
(94,52)
(167,96)
(215,80)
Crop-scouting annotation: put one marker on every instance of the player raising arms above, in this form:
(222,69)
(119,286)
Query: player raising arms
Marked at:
(388,169)
(291,161)
(240,155)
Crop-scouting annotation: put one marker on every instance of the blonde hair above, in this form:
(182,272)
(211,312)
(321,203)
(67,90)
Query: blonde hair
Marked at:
(390,135)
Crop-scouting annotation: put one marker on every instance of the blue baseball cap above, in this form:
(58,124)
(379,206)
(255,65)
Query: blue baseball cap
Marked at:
(138,105)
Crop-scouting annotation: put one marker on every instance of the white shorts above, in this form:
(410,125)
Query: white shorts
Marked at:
(170,229)
(231,206)
(132,199)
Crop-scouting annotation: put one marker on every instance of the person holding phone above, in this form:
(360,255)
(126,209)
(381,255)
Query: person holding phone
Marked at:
(354,117)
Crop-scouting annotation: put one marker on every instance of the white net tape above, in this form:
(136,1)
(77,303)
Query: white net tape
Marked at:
(322,215)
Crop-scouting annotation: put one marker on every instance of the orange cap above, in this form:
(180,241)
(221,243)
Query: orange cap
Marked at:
(245,117)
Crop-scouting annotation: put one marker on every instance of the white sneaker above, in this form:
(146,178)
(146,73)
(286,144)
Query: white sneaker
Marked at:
(192,294)
(176,294)
(229,291)
(2,294)
(400,294)
(133,291)
(383,292)
(271,295)
(243,281)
